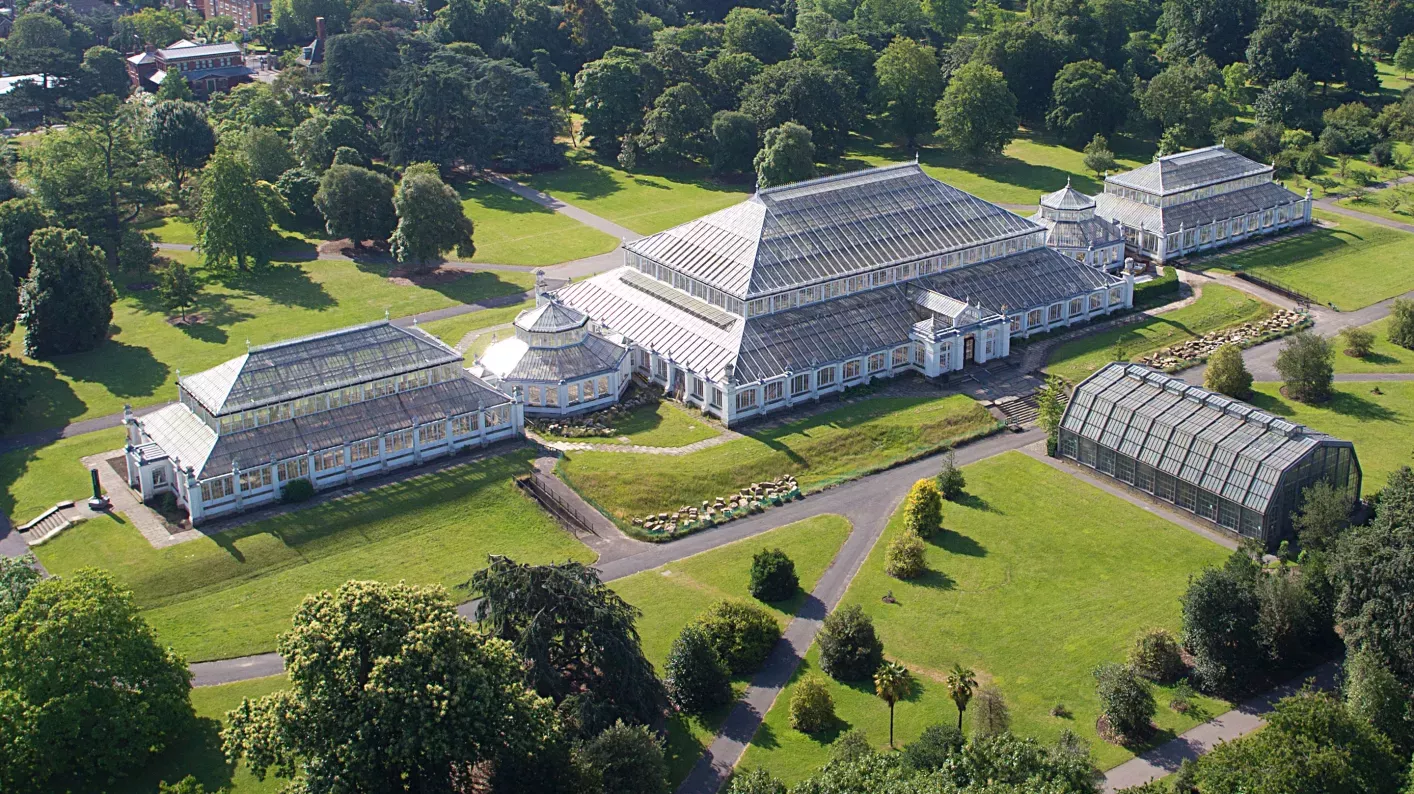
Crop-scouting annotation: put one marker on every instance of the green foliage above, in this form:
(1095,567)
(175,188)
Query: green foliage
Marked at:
(611,93)
(318,137)
(733,142)
(1125,700)
(741,633)
(1028,58)
(977,114)
(755,781)
(1087,100)
(298,188)
(812,709)
(1227,373)
(1307,367)
(1323,515)
(952,483)
(931,750)
(66,304)
(851,747)
(179,133)
(373,665)
(1156,656)
(1184,100)
(1373,573)
(187,785)
(961,683)
(696,678)
(430,219)
(1374,695)
(103,71)
(849,648)
(578,639)
(1358,341)
(356,203)
(1311,745)
(892,683)
(909,86)
(232,224)
(17,577)
(677,126)
(990,716)
(1287,103)
(86,692)
(625,760)
(1296,37)
(773,576)
(22,217)
(15,389)
(1099,160)
(1404,56)
(1401,313)
(297,490)
(295,18)
(923,508)
(818,98)
(904,558)
(266,152)
(1216,29)
(788,156)
(756,33)
(1050,409)
(178,289)
(1220,613)
(357,64)
(174,87)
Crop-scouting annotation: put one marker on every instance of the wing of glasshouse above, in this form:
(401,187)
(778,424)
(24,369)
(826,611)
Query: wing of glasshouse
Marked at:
(1238,467)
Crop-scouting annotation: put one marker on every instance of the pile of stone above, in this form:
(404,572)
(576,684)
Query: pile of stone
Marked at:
(1279,323)
(592,426)
(752,499)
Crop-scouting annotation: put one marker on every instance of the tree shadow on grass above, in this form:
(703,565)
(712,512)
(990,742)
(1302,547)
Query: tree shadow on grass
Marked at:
(973,502)
(493,198)
(955,542)
(1378,359)
(51,402)
(1357,407)
(283,284)
(935,580)
(124,370)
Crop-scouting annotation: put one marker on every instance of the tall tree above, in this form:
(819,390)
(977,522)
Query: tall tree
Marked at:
(961,683)
(1292,36)
(892,683)
(316,139)
(1220,613)
(356,203)
(266,152)
(178,289)
(66,303)
(430,219)
(977,114)
(676,127)
(1028,59)
(39,44)
(103,71)
(1373,573)
(18,575)
(357,65)
(232,224)
(733,142)
(174,87)
(179,133)
(1307,365)
(787,156)
(390,690)
(1217,29)
(20,218)
(611,93)
(753,31)
(1087,100)
(1187,98)
(910,85)
(814,96)
(87,694)
(853,56)
(295,18)
(577,639)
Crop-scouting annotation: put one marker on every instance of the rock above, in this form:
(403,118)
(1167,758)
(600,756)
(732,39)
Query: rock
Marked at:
(638,522)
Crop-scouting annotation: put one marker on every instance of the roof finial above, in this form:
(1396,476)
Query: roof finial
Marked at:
(247,344)
(915,157)
(1067,180)
(385,312)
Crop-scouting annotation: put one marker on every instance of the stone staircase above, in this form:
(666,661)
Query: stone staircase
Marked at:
(1020,412)
(48,524)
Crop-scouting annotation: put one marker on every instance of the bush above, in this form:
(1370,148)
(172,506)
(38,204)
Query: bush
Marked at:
(773,576)
(990,716)
(811,707)
(1401,323)
(904,557)
(297,490)
(757,781)
(742,634)
(1125,700)
(852,746)
(1373,694)
(951,484)
(1306,366)
(849,649)
(923,510)
(1220,612)
(625,760)
(696,679)
(933,749)
(1227,374)
(1358,341)
(1156,656)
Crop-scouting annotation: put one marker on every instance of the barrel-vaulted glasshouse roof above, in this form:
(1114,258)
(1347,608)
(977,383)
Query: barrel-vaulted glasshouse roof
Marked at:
(1223,446)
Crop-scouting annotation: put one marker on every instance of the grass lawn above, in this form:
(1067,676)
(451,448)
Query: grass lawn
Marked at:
(1351,266)
(452,329)
(171,229)
(1030,166)
(646,201)
(1378,424)
(139,363)
(1385,356)
(1030,589)
(666,424)
(819,450)
(198,751)
(511,230)
(1218,307)
(673,595)
(32,480)
(1389,202)
(231,594)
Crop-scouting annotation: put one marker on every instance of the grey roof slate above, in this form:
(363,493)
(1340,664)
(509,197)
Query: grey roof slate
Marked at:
(1067,198)
(184,53)
(1024,280)
(318,363)
(185,437)
(803,338)
(593,356)
(825,228)
(1194,213)
(1207,440)
(1187,170)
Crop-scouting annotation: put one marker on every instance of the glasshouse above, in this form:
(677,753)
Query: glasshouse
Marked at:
(327,409)
(1073,229)
(1239,468)
(807,289)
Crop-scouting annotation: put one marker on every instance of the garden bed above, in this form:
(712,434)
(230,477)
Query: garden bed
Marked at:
(1282,322)
(754,498)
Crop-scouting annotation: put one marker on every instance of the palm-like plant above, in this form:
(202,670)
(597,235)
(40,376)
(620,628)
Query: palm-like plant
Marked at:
(961,682)
(892,683)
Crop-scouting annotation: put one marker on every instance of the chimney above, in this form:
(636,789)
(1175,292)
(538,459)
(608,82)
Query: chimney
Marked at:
(149,48)
(319,28)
